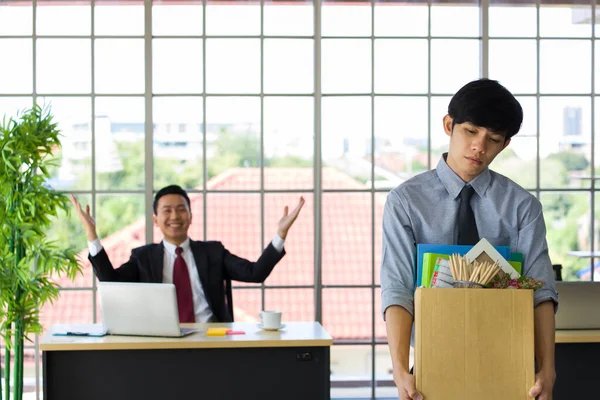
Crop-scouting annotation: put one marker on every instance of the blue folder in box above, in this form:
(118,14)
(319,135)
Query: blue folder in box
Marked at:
(449,249)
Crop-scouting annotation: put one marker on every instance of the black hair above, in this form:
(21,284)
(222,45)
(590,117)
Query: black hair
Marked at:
(488,104)
(172,189)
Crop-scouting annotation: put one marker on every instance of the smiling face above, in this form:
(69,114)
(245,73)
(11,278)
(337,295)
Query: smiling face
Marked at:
(173,217)
(472,148)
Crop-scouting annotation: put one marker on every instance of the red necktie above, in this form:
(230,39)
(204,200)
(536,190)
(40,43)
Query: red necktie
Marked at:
(183,287)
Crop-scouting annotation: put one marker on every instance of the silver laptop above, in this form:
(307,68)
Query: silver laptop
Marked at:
(141,309)
(578,305)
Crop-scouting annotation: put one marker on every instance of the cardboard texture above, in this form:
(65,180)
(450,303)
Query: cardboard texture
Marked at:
(473,344)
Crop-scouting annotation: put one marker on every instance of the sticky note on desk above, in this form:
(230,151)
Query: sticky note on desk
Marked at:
(217,331)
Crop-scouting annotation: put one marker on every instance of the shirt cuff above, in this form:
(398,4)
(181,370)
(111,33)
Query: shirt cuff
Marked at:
(545,294)
(278,243)
(94,247)
(397,297)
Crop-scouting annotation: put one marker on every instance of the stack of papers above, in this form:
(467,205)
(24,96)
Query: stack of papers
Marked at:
(93,330)
(442,276)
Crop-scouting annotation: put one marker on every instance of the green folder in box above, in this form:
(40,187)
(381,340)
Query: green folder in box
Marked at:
(516,261)
(429,260)
(516,257)
(517,266)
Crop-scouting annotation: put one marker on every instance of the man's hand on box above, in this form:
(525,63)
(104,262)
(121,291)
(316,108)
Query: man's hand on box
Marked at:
(405,383)
(542,389)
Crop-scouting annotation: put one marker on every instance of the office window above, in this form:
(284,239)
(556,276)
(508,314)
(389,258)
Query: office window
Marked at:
(555,152)
(251,105)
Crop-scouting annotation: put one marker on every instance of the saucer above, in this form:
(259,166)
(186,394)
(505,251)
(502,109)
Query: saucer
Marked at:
(271,329)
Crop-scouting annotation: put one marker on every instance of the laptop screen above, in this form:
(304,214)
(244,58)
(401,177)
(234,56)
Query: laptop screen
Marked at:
(578,305)
(143,309)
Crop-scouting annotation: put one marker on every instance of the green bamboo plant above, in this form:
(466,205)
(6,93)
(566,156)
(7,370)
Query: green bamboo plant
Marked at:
(28,259)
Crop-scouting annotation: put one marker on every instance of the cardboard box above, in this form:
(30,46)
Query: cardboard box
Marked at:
(473,344)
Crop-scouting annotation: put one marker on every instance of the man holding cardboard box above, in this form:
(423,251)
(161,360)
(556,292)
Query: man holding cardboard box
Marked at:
(482,118)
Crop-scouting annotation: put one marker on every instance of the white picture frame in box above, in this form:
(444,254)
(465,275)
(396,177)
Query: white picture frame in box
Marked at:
(484,248)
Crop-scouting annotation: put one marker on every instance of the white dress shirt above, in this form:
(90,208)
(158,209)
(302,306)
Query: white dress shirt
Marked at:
(202,310)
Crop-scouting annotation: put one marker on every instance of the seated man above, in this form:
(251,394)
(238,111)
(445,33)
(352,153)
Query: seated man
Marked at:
(198,269)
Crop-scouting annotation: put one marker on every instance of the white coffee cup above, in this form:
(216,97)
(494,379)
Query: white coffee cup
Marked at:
(270,319)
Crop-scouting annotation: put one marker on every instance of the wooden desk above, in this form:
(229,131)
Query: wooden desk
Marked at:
(292,363)
(577,359)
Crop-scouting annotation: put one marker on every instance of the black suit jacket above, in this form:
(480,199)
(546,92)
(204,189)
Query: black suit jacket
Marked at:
(214,262)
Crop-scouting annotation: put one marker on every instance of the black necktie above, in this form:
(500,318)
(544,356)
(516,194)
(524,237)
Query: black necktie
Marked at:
(467,229)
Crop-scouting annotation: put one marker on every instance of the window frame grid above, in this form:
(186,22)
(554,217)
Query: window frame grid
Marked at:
(317,191)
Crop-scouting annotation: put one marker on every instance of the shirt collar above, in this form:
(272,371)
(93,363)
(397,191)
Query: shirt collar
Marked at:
(454,184)
(170,247)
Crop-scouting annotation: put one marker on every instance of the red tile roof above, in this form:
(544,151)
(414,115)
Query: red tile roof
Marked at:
(234,219)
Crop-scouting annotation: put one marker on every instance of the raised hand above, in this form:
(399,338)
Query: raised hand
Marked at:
(88,223)
(288,219)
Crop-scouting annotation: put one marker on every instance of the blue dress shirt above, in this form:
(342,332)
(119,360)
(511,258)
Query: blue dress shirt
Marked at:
(424,210)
